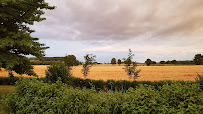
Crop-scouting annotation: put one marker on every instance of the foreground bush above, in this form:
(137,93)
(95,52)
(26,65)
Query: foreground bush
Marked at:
(57,70)
(33,96)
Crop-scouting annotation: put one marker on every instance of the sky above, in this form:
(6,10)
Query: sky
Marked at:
(155,29)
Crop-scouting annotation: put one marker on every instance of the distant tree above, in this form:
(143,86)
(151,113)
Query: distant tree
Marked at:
(119,62)
(127,61)
(162,62)
(89,59)
(16,41)
(113,61)
(131,67)
(168,62)
(198,59)
(71,60)
(174,62)
(148,62)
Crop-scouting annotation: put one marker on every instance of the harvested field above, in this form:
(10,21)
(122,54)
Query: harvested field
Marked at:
(39,69)
(148,73)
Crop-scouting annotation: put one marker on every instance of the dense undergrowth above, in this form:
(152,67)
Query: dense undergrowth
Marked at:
(34,96)
(98,85)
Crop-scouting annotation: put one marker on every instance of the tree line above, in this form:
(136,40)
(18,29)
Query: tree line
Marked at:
(197,60)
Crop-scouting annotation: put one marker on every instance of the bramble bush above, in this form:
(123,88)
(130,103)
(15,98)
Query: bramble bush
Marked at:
(33,96)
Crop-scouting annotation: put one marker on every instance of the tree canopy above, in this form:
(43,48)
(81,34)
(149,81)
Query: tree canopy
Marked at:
(198,59)
(113,61)
(71,60)
(148,62)
(119,61)
(16,41)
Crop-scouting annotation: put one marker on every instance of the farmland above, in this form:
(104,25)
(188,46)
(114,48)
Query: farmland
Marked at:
(148,73)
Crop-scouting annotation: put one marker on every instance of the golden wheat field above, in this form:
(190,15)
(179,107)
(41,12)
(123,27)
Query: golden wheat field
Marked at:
(39,69)
(148,73)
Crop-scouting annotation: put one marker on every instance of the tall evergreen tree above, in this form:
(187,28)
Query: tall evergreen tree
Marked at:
(15,39)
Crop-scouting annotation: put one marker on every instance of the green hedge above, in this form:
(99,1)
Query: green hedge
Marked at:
(33,96)
(121,85)
(13,80)
(8,80)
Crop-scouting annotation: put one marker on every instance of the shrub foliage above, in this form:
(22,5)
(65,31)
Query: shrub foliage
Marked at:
(33,96)
(57,70)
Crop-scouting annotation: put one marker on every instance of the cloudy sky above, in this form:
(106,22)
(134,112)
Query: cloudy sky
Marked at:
(155,29)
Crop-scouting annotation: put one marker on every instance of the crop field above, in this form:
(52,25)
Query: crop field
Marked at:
(39,69)
(110,72)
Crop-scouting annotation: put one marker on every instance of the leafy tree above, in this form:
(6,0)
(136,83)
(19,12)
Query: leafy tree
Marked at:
(71,60)
(119,62)
(15,35)
(89,59)
(198,59)
(128,61)
(148,62)
(113,61)
(131,67)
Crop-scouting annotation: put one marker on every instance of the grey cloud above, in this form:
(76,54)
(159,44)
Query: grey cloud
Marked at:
(104,20)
